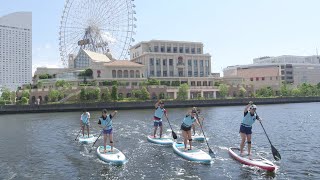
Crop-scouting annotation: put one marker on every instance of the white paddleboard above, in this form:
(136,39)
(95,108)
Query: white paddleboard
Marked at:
(195,154)
(198,137)
(114,157)
(165,140)
(86,140)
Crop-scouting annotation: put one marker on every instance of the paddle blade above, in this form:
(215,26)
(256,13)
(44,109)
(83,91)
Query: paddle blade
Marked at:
(275,153)
(211,153)
(174,135)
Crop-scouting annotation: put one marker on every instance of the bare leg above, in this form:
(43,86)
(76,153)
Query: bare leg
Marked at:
(82,127)
(111,141)
(185,139)
(249,143)
(88,131)
(193,129)
(155,131)
(105,142)
(189,137)
(160,131)
(243,140)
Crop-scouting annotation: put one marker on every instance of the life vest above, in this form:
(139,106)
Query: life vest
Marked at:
(248,120)
(158,113)
(106,122)
(188,121)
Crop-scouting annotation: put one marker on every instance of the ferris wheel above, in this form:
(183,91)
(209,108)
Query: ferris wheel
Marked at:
(102,26)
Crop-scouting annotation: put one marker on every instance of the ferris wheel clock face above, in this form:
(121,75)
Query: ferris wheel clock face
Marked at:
(100,26)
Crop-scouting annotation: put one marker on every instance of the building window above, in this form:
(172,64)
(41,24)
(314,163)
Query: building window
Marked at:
(114,74)
(165,74)
(131,73)
(187,50)
(175,49)
(195,74)
(171,73)
(257,78)
(193,51)
(189,62)
(201,73)
(151,73)
(151,61)
(271,78)
(201,63)
(207,63)
(282,78)
(156,48)
(276,77)
(251,79)
(170,62)
(198,83)
(157,62)
(198,50)
(164,62)
(262,78)
(181,50)
(119,74)
(162,49)
(137,74)
(282,72)
(193,83)
(189,73)
(158,73)
(195,63)
(168,49)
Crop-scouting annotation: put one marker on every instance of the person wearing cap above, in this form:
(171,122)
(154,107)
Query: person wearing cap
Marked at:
(245,131)
(157,118)
(186,125)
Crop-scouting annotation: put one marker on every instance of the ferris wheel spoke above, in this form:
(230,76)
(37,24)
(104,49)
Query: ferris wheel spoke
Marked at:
(111,11)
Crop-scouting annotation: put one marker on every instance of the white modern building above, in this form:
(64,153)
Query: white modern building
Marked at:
(15,50)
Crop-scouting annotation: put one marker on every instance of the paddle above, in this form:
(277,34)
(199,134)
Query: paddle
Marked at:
(95,141)
(275,153)
(174,135)
(210,151)
(78,135)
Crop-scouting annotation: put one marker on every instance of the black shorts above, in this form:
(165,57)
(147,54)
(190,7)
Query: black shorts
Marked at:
(185,128)
(245,130)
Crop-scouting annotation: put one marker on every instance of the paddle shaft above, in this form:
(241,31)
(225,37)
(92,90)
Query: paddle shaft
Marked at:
(173,133)
(264,130)
(205,138)
(78,134)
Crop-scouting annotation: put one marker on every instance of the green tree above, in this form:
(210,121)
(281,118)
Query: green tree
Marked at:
(144,93)
(106,96)
(265,92)
(162,95)
(296,92)
(136,93)
(24,100)
(223,90)
(88,72)
(6,94)
(60,83)
(284,90)
(114,93)
(54,95)
(153,82)
(175,83)
(183,92)
(39,84)
(97,93)
(242,91)
(26,94)
(83,94)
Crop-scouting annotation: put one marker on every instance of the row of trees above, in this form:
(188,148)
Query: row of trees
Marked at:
(9,97)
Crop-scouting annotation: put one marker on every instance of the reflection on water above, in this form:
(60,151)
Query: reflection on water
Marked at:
(42,146)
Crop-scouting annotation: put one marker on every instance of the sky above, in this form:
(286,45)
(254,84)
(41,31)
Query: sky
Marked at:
(232,31)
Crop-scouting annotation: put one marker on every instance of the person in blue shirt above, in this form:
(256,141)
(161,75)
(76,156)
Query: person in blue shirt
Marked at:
(186,125)
(157,118)
(245,131)
(85,121)
(105,122)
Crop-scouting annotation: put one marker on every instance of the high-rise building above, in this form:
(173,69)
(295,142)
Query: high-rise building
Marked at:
(15,50)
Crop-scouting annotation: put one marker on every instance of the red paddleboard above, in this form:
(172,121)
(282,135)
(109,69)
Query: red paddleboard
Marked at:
(259,162)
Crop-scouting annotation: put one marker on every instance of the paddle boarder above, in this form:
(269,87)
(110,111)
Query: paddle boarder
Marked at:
(186,127)
(105,122)
(245,131)
(85,121)
(157,118)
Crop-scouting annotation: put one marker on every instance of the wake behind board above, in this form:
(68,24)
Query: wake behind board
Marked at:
(195,154)
(114,157)
(163,141)
(257,161)
(86,140)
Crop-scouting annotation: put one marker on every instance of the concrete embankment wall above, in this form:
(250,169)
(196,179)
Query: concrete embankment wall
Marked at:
(13,109)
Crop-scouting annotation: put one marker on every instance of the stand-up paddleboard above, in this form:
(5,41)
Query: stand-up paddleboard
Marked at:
(260,162)
(86,140)
(195,154)
(198,137)
(114,157)
(164,140)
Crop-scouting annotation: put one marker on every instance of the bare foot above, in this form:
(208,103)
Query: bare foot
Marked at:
(105,151)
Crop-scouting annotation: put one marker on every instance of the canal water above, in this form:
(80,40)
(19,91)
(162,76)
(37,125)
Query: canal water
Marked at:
(43,146)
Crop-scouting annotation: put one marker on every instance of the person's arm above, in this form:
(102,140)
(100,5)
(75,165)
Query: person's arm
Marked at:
(247,107)
(99,123)
(88,115)
(157,104)
(166,113)
(258,118)
(113,113)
